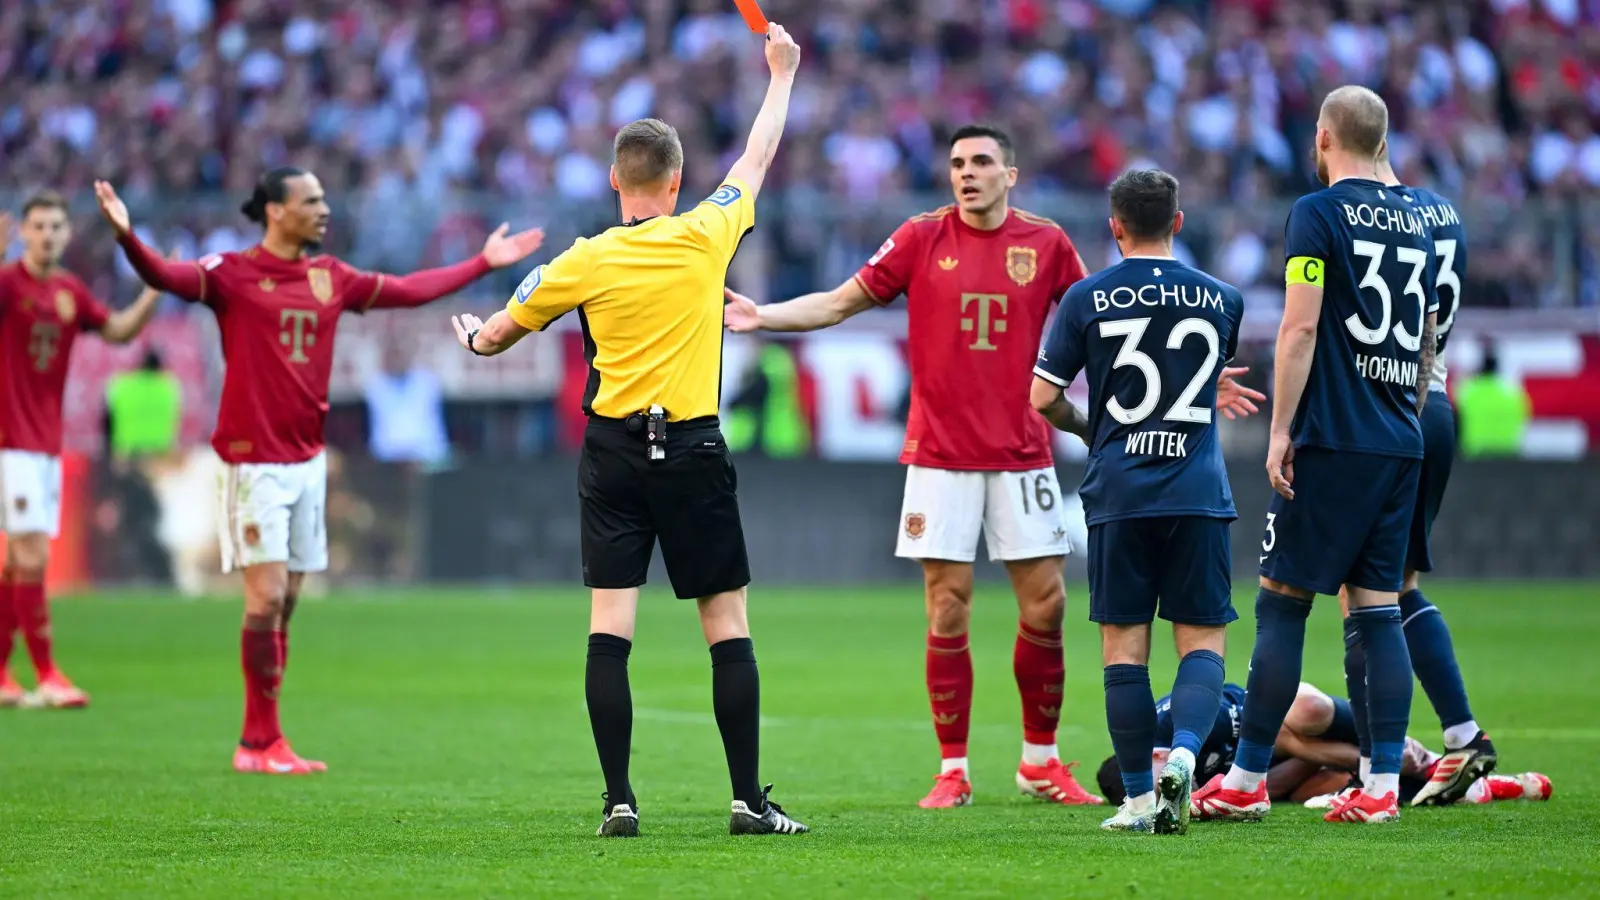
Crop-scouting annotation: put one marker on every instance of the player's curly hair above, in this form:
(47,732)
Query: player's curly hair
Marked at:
(272,187)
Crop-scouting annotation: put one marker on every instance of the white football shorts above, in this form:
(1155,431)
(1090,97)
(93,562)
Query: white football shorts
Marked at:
(1022,515)
(30,492)
(275,512)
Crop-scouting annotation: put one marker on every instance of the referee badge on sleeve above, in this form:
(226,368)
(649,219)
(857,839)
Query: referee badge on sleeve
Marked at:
(726,195)
(529,284)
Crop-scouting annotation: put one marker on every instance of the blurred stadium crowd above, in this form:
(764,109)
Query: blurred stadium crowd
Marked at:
(432,120)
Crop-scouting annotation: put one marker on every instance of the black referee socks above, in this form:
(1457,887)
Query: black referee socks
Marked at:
(736,697)
(605,685)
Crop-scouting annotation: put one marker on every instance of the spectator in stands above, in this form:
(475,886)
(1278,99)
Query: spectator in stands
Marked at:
(405,411)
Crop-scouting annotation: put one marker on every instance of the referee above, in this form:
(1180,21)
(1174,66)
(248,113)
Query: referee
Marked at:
(654,464)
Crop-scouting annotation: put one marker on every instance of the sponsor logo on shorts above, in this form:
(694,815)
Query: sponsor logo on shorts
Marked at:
(21,503)
(252,534)
(916,524)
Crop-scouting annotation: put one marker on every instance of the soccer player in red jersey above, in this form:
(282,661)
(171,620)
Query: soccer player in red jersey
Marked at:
(277,305)
(43,309)
(980,278)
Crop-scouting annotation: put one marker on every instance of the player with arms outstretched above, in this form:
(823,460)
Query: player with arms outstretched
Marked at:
(1149,333)
(1469,754)
(1354,353)
(277,305)
(43,309)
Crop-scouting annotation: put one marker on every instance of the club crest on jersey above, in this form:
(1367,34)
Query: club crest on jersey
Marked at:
(1022,264)
(66,306)
(916,525)
(321,284)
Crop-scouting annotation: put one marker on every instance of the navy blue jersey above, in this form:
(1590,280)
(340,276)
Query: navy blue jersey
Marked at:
(1439,216)
(1151,334)
(1218,747)
(1368,249)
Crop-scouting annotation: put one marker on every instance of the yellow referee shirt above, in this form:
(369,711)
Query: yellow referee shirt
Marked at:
(649,298)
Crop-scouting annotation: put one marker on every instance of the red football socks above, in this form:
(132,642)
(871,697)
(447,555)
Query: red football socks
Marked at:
(950,692)
(8,618)
(1040,670)
(32,613)
(261,655)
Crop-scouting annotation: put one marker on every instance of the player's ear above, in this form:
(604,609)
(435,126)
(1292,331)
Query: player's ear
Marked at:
(1116,229)
(615,184)
(677,181)
(1011,177)
(1177,222)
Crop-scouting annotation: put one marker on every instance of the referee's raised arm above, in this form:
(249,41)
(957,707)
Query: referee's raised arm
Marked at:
(654,466)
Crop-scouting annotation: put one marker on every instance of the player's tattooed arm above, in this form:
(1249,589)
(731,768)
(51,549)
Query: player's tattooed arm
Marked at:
(783,58)
(1051,402)
(807,313)
(1430,351)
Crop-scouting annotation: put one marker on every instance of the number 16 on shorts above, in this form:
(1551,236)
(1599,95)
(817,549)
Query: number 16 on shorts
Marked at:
(1019,514)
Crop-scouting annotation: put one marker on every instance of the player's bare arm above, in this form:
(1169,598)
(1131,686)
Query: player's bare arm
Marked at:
(183,279)
(807,313)
(488,338)
(1430,351)
(783,58)
(1050,401)
(1297,343)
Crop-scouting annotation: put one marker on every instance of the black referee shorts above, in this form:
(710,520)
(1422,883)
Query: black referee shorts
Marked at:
(688,501)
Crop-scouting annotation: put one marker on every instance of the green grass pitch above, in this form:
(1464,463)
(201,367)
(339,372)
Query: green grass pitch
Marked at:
(461,761)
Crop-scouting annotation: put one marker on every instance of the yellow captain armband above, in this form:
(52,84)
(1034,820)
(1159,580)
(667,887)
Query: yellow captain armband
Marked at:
(1303,270)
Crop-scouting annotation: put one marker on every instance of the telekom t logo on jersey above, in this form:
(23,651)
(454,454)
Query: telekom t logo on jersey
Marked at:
(294,334)
(43,341)
(985,322)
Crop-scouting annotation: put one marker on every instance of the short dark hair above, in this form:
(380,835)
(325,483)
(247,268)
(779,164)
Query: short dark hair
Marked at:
(1110,780)
(44,200)
(1145,201)
(646,153)
(1007,151)
(272,187)
(1358,118)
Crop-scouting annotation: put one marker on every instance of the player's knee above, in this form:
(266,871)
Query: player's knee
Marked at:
(949,608)
(27,555)
(1310,713)
(266,599)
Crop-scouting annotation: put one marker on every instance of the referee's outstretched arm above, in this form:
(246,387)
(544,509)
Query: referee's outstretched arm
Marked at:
(783,57)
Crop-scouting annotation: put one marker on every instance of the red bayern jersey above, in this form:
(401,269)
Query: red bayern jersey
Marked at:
(40,319)
(978,302)
(278,318)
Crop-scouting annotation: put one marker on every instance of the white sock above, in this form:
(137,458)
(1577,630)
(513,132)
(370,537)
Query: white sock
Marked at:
(1186,755)
(1141,804)
(1038,754)
(1458,736)
(1366,770)
(953,763)
(1238,779)
(1381,785)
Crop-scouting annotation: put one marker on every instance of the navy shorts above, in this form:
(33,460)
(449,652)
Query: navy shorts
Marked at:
(1349,522)
(1438,455)
(1183,562)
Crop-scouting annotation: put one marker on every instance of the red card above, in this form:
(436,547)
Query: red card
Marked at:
(753,16)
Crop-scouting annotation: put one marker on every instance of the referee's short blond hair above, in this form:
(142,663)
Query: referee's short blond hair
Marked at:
(646,153)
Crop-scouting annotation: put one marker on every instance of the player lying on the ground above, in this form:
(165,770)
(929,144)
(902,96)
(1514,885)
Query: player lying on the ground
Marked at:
(43,309)
(277,306)
(1316,755)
